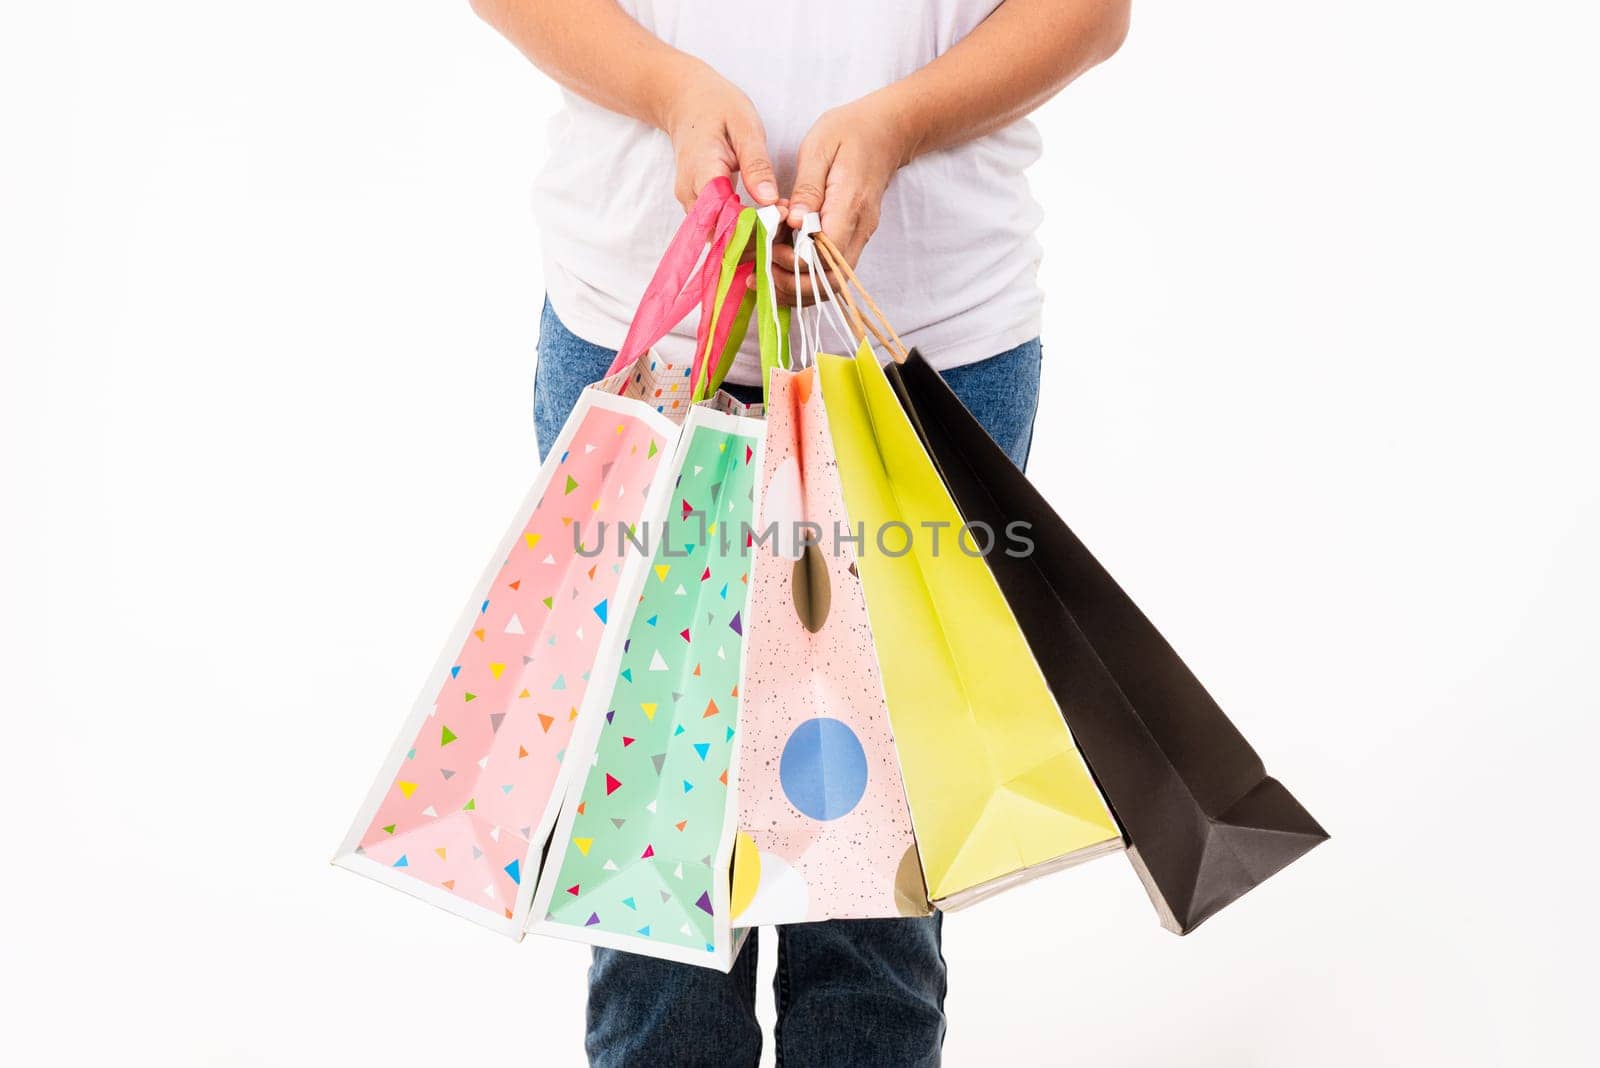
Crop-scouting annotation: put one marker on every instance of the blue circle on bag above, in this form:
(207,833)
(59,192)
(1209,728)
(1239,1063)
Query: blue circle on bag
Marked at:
(823,770)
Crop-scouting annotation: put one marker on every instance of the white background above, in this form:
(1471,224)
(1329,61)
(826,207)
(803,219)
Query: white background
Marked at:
(1320,388)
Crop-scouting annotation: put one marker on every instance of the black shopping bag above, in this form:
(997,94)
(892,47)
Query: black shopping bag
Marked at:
(1204,821)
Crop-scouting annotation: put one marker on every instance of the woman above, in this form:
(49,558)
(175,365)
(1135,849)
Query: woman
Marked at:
(904,125)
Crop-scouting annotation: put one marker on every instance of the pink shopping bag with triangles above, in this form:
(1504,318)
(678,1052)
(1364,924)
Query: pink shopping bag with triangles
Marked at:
(461,809)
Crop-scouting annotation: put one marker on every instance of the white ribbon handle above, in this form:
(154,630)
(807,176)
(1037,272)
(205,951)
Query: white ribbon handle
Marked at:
(809,342)
(805,250)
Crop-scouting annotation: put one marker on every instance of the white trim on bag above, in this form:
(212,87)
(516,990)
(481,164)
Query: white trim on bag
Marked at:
(347,857)
(436,896)
(581,750)
(721,876)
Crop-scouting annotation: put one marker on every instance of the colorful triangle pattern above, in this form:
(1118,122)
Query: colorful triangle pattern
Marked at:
(654,802)
(479,776)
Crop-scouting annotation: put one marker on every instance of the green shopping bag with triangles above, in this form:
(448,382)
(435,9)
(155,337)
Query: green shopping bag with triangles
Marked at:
(641,853)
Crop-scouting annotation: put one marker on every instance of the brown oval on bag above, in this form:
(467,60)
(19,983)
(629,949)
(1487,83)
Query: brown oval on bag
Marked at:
(813,595)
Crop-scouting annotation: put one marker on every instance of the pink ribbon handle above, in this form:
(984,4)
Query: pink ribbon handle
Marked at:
(711,337)
(669,297)
(708,355)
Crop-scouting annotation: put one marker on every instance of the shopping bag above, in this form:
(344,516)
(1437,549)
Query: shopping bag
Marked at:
(1204,821)
(640,855)
(460,810)
(824,832)
(998,791)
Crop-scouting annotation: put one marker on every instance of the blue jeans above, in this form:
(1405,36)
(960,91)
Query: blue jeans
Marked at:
(848,992)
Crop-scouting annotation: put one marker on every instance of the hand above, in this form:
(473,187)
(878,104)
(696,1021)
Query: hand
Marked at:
(716,133)
(845,164)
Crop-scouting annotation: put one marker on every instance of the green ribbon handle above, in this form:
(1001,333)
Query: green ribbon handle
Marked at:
(710,376)
(772,321)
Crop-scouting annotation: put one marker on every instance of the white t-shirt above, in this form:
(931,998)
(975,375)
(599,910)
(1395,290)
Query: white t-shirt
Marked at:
(953,263)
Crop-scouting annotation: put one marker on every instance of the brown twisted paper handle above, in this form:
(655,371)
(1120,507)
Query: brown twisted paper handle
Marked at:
(847,278)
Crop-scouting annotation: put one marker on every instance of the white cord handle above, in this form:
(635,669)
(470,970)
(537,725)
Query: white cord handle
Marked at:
(805,250)
(808,344)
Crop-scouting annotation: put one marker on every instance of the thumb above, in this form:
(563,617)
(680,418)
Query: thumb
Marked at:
(811,178)
(755,163)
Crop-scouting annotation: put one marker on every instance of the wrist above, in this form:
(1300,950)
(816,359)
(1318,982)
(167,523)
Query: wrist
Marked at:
(901,120)
(674,79)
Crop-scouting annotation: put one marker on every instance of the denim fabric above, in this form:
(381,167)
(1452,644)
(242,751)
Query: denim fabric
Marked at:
(848,992)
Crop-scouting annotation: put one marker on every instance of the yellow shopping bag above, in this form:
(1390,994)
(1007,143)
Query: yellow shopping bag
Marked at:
(997,788)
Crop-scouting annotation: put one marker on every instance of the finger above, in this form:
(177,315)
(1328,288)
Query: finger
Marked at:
(755,163)
(810,180)
(783,259)
(682,190)
(695,171)
(783,264)
(783,285)
(849,218)
(812,290)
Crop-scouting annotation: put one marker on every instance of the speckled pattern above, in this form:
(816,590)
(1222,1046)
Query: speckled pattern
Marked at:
(859,860)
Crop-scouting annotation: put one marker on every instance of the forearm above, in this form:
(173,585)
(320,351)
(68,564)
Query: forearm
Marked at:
(1024,53)
(596,50)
